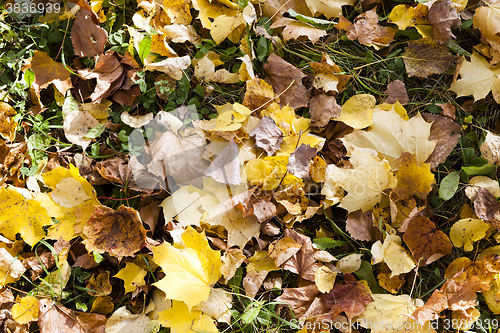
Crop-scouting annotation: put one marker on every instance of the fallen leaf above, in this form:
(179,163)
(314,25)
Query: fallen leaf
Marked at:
(218,305)
(350,263)
(173,67)
(299,161)
(396,92)
(412,178)
(177,11)
(393,254)
(487,207)
(478,182)
(136,121)
(467,231)
(118,232)
(324,279)
(350,297)
(360,226)
(327,75)
(25,310)
(286,80)
(21,215)
(7,124)
(231,261)
(181,319)
(329,8)
(299,299)
(486,19)
(283,249)
(87,37)
(405,16)
(391,135)
(258,94)
(103,305)
(100,285)
(11,268)
(225,168)
(365,183)
(489,148)
(425,241)
(303,262)
(477,78)
(443,16)
(132,276)
(55,318)
(189,272)
(323,108)
(425,57)
(357,111)
(368,31)
(268,135)
(294,29)
(446,133)
(123,321)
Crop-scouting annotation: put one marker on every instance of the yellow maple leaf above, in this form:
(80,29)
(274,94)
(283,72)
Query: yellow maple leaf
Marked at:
(357,111)
(24,216)
(25,310)
(181,319)
(189,272)
(412,177)
(477,78)
(365,183)
(391,135)
(132,276)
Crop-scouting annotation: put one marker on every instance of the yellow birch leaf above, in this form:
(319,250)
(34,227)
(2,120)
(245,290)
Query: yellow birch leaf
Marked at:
(132,276)
(177,11)
(412,178)
(182,319)
(406,16)
(189,272)
(324,279)
(393,254)
(357,111)
(24,216)
(25,310)
(467,231)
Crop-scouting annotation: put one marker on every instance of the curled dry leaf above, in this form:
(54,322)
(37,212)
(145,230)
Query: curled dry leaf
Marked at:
(303,262)
(368,31)
(490,148)
(99,285)
(231,261)
(487,19)
(478,182)
(268,135)
(286,80)
(425,241)
(283,249)
(425,57)
(393,254)
(405,16)
(299,161)
(118,232)
(299,299)
(360,226)
(7,124)
(173,67)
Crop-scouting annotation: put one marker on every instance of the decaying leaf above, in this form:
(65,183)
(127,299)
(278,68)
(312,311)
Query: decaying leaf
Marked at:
(412,178)
(396,92)
(323,108)
(99,285)
(360,226)
(87,37)
(478,182)
(368,31)
(294,29)
(258,94)
(425,57)
(303,262)
(268,135)
(286,80)
(446,133)
(425,241)
(443,16)
(490,148)
(487,207)
(118,232)
(299,161)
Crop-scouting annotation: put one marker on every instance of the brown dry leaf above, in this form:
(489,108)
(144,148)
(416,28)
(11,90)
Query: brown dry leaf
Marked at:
(286,80)
(458,293)
(425,57)
(412,178)
(396,92)
(7,124)
(231,261)
(268,135)
(299,161)
(368,31)
(443,16)
(487,207)
(48,71)
(299,299)
(55,318)
(303,262)
(446,132)
(425,241)
(294,29)
(118,232)
(263,210)
(109,74)
(448,110)
(360,226)
(350,297)
(283,249)
(391,284)
(100,285)
(258,94)
(85,261)
(87,37)
(322,108)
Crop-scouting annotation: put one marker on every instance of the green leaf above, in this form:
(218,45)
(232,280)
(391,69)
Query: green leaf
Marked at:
(308,19)
(476,171)
(98,258)
(251,312)
(70,104)
(95,131)
(144,48)
(449,185)
(468,155)
(328,243)
(365,272)
(29,76)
